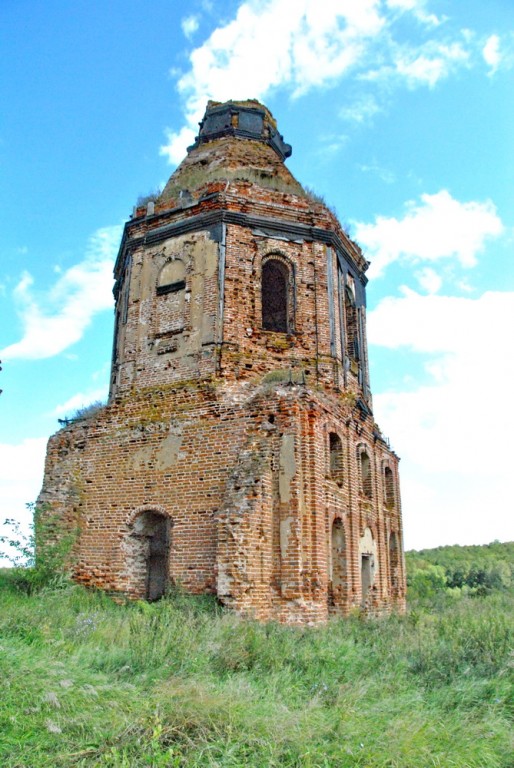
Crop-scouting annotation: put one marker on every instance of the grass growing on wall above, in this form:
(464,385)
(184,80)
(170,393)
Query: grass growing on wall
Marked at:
(88,682)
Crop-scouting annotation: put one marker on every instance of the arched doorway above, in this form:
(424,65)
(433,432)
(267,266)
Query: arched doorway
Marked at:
(150,553)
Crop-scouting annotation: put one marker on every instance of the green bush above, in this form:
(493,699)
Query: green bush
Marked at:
(43,556)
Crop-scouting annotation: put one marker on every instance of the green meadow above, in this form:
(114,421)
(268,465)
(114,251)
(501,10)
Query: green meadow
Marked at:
(86,681)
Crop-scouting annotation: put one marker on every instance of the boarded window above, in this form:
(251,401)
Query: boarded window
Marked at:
(276,298)
(389,487)
(365,474)
(170,309)
(172,277)
(336,458)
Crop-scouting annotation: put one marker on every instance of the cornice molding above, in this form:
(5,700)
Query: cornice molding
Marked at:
(268,226)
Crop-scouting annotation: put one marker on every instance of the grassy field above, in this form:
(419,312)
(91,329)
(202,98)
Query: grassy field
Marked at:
(88,682)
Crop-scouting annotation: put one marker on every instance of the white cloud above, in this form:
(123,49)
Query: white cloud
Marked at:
(437,227)
(491,53)
(454,433)
(429,280)
(190,26)
(307,45)
(297,46)
(417,7)
(435,63)
(54,320)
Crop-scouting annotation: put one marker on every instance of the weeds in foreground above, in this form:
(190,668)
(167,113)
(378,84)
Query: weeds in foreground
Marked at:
(42,557)
(89,682)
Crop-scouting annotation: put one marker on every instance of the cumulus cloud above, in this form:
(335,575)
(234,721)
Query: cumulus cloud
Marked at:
(429,280)
(55,319)
(452,431)
(434,228)
(308,45)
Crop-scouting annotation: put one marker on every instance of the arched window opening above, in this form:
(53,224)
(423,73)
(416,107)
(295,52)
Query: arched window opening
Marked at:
(150,553)
(389,487)
(172,277)
(352,325)
(276,296)
(368,564)
(365,474)
(338,559)
(336,458)
(394,561)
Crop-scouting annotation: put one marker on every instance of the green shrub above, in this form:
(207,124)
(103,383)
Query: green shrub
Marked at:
(43,556)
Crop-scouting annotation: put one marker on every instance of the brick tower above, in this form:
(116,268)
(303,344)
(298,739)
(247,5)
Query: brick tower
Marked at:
(238,453)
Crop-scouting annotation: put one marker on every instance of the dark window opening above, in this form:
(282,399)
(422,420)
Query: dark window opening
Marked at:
(352,329)
(337,576)
(275,296)
(171,287)
(394,562)
(336,458)
(389,487)
(365,474)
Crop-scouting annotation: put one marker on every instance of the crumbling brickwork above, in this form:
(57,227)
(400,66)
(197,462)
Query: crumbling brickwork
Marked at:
(238,453)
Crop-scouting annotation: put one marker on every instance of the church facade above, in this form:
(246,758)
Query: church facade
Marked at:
(238,452)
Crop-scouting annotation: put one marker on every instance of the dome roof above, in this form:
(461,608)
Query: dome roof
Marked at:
(237,140)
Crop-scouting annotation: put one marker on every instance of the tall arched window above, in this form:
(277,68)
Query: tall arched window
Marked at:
(338,560)
(352,329)
(336,458)
(394,561)
(389,487)
(276,296)
(365,467)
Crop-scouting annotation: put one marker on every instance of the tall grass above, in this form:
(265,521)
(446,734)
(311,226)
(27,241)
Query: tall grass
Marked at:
(89,682)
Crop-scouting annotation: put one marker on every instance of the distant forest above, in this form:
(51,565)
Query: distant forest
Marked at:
(472,570)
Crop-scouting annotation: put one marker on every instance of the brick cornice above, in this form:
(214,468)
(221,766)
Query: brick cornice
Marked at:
(267,225)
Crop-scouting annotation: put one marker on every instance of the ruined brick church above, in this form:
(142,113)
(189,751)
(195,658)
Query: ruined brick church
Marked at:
(237,454)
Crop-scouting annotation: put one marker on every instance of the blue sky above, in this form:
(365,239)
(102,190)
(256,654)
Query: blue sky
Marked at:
(400,113)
